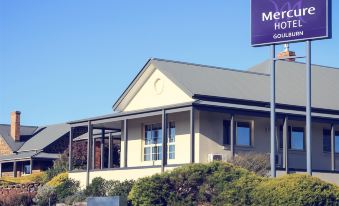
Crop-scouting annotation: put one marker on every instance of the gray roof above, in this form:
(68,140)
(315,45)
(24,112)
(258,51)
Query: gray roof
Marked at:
(25,131)
(291,84)
(254,84)
(28,155)
(45,136)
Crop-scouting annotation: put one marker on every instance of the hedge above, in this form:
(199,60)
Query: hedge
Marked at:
(296,190)
(220,183)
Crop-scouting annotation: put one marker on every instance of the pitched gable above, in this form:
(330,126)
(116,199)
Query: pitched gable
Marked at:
(156,91)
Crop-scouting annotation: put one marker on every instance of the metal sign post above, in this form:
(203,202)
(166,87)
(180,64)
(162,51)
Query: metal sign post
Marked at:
(308,109)
(276,22)
(273,170)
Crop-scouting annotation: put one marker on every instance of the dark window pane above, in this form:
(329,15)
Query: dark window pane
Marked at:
(337,143)
(156,134)
(148,134)
(326,140)
(243,134)
(226,135)
(297,139)
(171,132)
(281,137)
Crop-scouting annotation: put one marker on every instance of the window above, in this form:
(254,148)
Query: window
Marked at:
(153,142)
(297,138)
(326,140)
(243,134)
(336,142)
(281,137)
(171,140)
(226,132)
(327,144)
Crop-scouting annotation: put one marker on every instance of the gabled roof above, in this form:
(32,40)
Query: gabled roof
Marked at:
(25,131)
(45,136)
(253,85)
(202,79)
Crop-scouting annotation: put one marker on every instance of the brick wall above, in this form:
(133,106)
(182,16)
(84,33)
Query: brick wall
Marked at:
(20,188)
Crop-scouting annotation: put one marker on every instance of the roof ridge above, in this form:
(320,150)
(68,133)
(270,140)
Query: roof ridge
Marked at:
(209,66)
(296,62)
(1,124)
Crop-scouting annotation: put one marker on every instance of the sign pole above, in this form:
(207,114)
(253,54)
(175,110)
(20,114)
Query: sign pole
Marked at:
(308,109)
(273,170)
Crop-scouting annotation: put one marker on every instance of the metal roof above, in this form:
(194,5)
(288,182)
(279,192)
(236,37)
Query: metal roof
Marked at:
(28,155)
(25,131)
(254,84)
(291,84)
(45,136)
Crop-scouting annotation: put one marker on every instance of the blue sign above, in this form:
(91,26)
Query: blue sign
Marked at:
(283,21)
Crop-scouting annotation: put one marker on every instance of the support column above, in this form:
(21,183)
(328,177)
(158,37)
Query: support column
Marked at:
(125,142)
(93,142)
(308,110)
(285,144)
(0,169)
(232,135)
(70,149)
(192,131)
(110,151)
(272,128)
(332,148)
(164,140)
(89,151)
(14,169)
(102,148)
(31,166)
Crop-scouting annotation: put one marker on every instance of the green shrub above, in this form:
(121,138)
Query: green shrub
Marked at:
(57,180)
(59,166)
(216,183)
(77,197)
(117,188)
(45,195)
(295,190)
(254,162)
(67,188)
(97,188)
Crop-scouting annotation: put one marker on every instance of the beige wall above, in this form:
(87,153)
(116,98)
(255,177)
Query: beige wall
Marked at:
(211,134)
(136,140)
(116,174)
(157,91)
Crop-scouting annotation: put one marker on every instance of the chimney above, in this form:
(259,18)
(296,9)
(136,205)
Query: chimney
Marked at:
(287,53)
(15,125)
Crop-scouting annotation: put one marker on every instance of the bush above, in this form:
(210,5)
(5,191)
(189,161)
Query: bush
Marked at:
(33,178)
(296,190)
(77,197)
(67,188)
(97,188)
(198,184)
(22,199)
(45,195)
(255,162)
(59,166)
(117,188)
(57,180)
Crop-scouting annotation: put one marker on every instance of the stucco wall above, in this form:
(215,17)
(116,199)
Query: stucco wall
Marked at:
(211,134)
(157,91)
(117,174)
(136,140)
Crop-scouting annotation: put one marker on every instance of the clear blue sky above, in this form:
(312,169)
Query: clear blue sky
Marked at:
(65,60)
